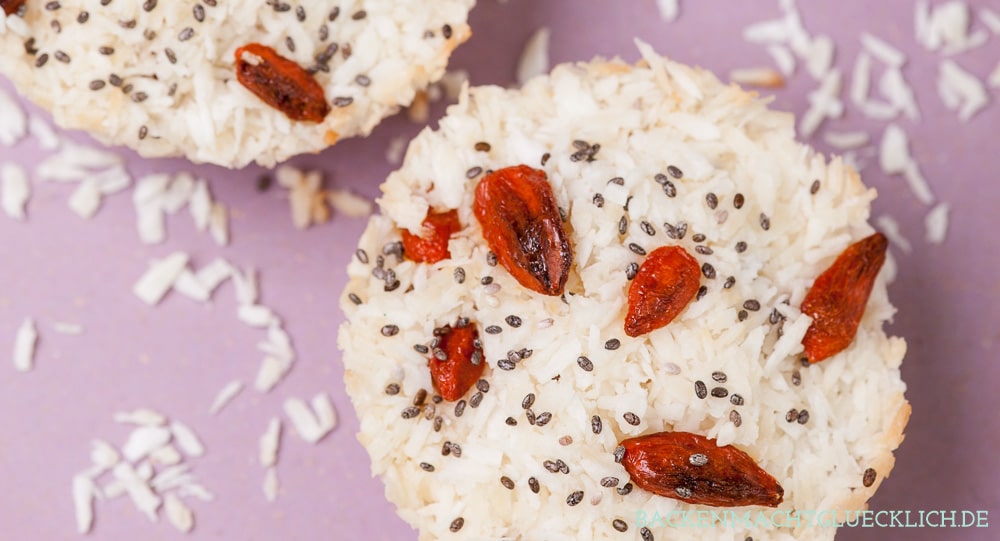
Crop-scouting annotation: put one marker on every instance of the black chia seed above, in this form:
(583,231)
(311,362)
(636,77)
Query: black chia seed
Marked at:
(513,321)
(712,200)
(528,401)
(700,390)
(457,524)
(585,363)
(631,270)
(460,408)
(765,222)
(708,270)
(392,389)
(631,418)
(720,392)
(738,201)
(803,417)
(815,187)
(752,305)
(595,424)
(533,485)
(736,399)
(574,498)
(612,344)
(426,467)
(868,479)
(494,329)
(735,418)
(390,330)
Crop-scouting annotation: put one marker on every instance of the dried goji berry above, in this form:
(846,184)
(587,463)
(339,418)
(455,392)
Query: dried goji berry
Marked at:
(523,227)
(663,286)
(693,469)
(838,297)
(462,363)
(11,6)
(431,245)
(281,83)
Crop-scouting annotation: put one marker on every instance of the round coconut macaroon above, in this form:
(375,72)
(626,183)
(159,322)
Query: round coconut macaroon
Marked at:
(228,82)
(623,302)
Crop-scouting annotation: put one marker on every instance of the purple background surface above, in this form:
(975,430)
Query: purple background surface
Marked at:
(174,358)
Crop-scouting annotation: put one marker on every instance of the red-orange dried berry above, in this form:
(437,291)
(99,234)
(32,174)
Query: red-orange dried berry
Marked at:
(11,6)
(457,362)
(838,297)
(523,227)
(431,245)
(693,469)
(281,83)
(664,285)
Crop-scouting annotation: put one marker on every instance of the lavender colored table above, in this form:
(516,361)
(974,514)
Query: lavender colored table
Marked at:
(174,358)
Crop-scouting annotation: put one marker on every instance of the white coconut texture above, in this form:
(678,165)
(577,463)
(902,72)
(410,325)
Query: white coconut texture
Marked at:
(399,45)
(646,118)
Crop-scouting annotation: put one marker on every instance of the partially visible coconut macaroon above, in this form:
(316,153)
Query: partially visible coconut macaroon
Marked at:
(228,82)
(618,295)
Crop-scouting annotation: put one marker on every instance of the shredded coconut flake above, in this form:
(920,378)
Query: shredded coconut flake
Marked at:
(885,53)
(43,133)
(15,190)
(669,9)
(142,417)
(218,224)
(271,485)
(15,123)
(160,278)
(142,495)
(225,396)
(990,19)
(187,439)
(310,426)
(24,346)
(783,58)
(534,60)
(83,502)
(961,91)
(936,223)
(144,440)
(759,77)
(396,149)
(349,204)
(270,442)
(846,140)
(178,513)
(890,227)
(86,199)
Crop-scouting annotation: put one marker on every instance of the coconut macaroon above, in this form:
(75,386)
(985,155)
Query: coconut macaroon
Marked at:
(227,82)
(524,309)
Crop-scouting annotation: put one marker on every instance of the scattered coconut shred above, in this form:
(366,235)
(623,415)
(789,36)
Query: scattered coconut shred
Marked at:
(151,467)
(946,28)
